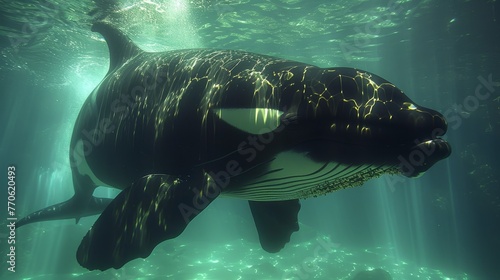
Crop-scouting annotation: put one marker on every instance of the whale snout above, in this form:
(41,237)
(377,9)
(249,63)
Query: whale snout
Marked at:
(428,148)
(422,156)
(440,125)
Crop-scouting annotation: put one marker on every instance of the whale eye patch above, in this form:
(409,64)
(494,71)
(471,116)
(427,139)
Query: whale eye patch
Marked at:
(251,120)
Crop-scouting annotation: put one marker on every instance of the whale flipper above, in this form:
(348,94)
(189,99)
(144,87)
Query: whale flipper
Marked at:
(275,222)
(153,209)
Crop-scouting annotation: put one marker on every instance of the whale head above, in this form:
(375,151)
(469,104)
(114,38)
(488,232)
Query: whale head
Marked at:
(367,119)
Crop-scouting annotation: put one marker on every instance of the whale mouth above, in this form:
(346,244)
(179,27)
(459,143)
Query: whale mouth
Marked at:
(422,155)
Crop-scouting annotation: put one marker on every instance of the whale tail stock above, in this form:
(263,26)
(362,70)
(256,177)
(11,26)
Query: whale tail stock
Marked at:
(82,204)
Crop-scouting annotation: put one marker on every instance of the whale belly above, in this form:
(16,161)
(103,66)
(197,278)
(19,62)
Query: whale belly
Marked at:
(294,175)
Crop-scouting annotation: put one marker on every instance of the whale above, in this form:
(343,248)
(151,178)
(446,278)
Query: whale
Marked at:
(175,130)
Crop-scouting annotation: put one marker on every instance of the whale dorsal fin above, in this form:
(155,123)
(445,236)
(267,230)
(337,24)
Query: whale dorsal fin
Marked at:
(121,48)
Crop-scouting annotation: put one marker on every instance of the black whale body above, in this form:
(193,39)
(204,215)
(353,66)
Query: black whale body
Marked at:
(174,130)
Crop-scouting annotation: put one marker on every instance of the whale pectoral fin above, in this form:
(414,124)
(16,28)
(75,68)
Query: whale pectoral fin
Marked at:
(275,222)
(153,209)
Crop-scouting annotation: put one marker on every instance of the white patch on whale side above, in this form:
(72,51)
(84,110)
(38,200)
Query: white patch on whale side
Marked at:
(293,174)
(83,168)
(251,120)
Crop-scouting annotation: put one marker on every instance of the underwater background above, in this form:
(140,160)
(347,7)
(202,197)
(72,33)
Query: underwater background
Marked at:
(444,54)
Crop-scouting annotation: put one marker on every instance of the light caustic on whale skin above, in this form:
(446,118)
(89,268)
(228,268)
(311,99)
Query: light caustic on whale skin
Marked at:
(174,130)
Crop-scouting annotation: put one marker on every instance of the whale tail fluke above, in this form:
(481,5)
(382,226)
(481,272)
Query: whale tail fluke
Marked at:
(75,208)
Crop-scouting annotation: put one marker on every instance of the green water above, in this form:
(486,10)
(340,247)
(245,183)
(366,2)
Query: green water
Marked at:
(443,225)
